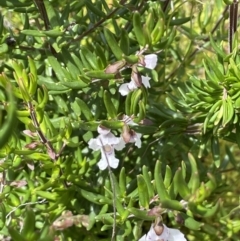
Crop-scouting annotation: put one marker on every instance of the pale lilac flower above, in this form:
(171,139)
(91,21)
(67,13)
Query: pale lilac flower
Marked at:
(150,62)
(168,234)
(134,136)
(106,142)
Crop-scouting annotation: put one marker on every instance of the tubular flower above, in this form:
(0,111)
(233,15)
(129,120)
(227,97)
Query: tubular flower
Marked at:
(133,137)
(163,233)
(107,143)
(150,61)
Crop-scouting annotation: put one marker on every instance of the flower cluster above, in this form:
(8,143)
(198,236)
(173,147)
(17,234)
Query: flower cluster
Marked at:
(131,136)
(161,232)
(107,143)
(150,61)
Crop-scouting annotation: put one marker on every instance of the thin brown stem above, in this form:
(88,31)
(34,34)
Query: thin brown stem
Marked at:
(196,50)
(51,152)
(92,29)
(166,3)
(43,12)
(114,195)
(42,9)
(233,10)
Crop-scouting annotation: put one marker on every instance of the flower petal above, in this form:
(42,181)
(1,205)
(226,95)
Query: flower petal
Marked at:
(128,120)
(121,144)
(108,158)
(168,234)
(143,238)
(114,162)
(103,131)
(108,139)
(176,235)
(151,235)
(145,81)
(94,144)
(124,90)
(150,60)
(138,141)
(132,85)
(102,164)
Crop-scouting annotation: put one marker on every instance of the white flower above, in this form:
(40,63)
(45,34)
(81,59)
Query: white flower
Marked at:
(127,87)
(134,136)
(106,142)
(168,234)
(151,62)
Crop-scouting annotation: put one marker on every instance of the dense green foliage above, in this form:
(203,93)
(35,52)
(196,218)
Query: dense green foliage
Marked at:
(62,64)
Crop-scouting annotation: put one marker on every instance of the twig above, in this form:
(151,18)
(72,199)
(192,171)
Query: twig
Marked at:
(93,28)
(41,7)
(233,18)
(114,196)
(41,136)
(51,152)
(114,204)
(171,75)
(166,3)
(24,204)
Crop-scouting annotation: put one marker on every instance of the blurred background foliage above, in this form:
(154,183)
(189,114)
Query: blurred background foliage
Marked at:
(54,92)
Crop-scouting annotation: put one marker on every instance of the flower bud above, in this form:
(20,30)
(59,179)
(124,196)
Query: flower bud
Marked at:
(155,211)
(103,130)
(126,134)
(158,229)
(141,60)
(115,67)
(179,219)
(30,133)
(136,77)
(32,145)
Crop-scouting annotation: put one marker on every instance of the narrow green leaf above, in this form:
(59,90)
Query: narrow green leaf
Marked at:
(29,224)
(141,214)
(194,181)
(57,68)
(113,44)
(2,215)
(216,151)
(112,112)
(138,30)
(161,190)
(90,57)
(218,50)
(181,185)
(99,74)
(149,184)
(143,195)
(53,33)
(122,182)
(48,82)
(124,42)
(112,124)
(34,33)
(167,177)
(15,235)
(9,124)
(179,21)
(172,204)
(3,49)
(94,9)
(53,15)
(84,109)
(75,85)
